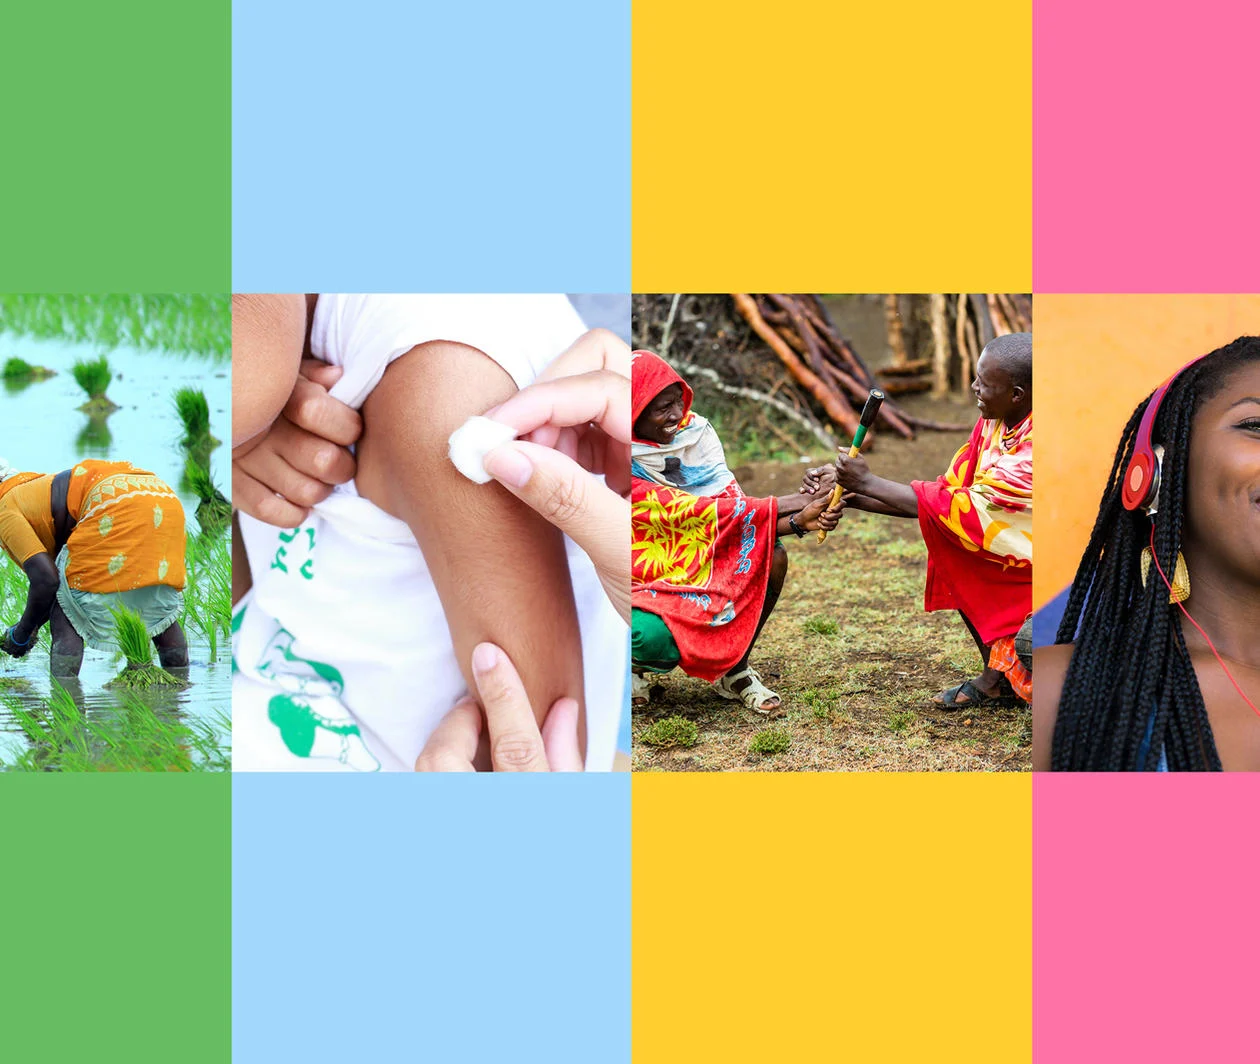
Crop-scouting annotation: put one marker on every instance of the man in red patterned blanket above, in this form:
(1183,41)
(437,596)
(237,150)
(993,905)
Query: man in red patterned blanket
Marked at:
(976,521)
(706,564)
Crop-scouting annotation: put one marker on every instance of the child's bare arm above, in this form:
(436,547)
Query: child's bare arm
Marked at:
(500,569)
(267,336)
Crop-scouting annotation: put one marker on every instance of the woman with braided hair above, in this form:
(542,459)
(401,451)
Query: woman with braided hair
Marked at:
(1157,660)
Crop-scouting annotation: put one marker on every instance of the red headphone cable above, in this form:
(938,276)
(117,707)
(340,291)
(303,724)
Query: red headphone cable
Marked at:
(1211,645)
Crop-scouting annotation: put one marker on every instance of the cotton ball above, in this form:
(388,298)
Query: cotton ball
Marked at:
(472,441)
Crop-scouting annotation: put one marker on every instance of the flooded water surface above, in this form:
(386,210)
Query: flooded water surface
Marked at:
(42,430)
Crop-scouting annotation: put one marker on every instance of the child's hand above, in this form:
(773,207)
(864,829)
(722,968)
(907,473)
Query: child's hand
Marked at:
(279,475)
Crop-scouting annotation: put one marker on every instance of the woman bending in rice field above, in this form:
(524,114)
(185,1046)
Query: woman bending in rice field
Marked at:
(90,539)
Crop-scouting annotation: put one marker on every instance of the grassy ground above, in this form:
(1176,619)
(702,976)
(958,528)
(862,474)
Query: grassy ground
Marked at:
(853,655)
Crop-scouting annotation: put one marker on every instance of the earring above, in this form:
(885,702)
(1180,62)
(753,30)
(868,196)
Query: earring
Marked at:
(1179,589)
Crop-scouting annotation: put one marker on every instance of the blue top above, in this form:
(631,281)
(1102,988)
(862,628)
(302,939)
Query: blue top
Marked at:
(1144,749)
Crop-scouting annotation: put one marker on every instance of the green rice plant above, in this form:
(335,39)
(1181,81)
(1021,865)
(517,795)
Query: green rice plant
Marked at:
(136,739)
(770,741)
(194,413)
(17,369)
(208,596)
(672,731)
(93,376)
(133,641)
(213,511)
(182,324)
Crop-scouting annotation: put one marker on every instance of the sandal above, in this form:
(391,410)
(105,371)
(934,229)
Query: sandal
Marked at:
(948,699)
(640,689)
(754,696)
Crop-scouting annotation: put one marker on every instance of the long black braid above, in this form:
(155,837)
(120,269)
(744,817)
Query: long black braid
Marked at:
(1130,658)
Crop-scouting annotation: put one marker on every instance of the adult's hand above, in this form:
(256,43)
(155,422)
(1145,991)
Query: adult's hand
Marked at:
(281,473)
(817,515)
(516,742)
(852,473)
(574,422)
(821,479)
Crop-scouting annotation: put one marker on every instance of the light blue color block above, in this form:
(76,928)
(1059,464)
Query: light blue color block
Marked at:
(430,918)
(385,147)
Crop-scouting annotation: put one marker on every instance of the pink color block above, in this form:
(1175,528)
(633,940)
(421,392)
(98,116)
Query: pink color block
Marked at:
(1146,153)
(1146,918)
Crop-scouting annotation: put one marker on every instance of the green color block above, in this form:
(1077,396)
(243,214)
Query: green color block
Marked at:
(117,168)
(116,895)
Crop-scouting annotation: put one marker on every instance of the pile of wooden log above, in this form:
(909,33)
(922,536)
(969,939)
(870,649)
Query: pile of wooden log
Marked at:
(740,345)
(799,330)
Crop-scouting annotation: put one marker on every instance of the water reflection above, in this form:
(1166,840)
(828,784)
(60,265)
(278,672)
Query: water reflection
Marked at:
(95,439)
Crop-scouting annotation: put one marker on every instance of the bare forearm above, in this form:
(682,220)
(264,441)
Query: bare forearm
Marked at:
(872,505)
(793,504)
(499,569)
(39,598)
(896,500)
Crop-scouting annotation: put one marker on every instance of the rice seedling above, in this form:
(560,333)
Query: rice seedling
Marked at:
(17,369)
(208,596)
(93,376)
(133,641)
(213,511)
(136,738)
(199,325)
(194,413)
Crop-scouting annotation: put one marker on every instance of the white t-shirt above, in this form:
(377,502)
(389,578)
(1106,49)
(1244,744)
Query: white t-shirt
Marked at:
(343,654)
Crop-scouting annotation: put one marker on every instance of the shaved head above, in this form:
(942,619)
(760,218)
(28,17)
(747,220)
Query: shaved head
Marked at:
(1013,354)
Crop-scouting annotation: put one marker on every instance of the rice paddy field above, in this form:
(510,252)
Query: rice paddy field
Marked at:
(154,347)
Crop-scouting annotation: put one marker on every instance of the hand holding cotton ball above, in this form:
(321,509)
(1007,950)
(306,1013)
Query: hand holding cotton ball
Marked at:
(472,441)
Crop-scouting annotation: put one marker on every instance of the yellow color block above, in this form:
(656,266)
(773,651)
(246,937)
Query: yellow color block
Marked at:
(1095,358)
(803,917)
(832,147)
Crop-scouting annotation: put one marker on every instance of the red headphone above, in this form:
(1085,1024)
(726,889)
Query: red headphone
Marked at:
(1141,476)
(1141,489)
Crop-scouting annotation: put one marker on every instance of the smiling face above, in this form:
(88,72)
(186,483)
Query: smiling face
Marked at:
(1223,476)
(993,387)
(659,421)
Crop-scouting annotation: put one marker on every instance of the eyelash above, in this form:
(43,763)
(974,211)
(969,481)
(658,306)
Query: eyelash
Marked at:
(1250,425)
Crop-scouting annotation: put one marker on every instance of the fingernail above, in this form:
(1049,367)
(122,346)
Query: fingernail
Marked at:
(508,465)
(485,657)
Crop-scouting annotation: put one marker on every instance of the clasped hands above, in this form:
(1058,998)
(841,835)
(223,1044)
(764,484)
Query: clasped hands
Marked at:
(851,473)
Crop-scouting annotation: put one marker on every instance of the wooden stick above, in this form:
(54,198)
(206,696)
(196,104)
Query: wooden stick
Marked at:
(837,407)
(896,337)
(940,347)
(716,382)
(960,339)
(1000,325)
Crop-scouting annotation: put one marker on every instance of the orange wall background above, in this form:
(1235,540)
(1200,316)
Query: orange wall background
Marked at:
(1097,357)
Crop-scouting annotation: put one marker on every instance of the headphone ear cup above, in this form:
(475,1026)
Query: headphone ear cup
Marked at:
(1137,480)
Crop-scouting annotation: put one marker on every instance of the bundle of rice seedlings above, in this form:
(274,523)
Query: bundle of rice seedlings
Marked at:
(133,641)
(194,412)
(93,376)
(213,511)
(17,369)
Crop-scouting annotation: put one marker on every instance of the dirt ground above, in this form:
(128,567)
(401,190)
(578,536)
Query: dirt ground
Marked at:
(850,650)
